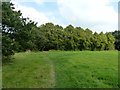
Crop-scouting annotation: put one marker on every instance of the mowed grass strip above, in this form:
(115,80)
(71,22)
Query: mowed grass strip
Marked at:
(31,70)
(63,69)
(85,69)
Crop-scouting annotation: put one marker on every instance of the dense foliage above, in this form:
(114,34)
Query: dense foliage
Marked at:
(116,34)
(21,34)
(71,38)
(16,30)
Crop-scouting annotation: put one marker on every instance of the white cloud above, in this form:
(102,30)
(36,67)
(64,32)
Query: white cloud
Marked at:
(32,14)
(93,14)
(39,2)
(42,1)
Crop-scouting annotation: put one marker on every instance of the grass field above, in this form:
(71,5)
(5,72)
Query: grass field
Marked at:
(62,69)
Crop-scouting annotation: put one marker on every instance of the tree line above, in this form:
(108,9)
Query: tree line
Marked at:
(20,34)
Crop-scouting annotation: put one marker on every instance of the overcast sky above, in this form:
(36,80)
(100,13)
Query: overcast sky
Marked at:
(97,15)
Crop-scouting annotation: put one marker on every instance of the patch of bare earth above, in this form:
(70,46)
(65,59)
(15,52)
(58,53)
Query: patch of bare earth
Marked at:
(28,51)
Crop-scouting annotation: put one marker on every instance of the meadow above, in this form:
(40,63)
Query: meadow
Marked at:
(62,69)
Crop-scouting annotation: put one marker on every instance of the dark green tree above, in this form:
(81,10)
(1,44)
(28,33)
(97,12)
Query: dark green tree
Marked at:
(16,30)
(116,35)
(111,41)
(69,41)
(88,36)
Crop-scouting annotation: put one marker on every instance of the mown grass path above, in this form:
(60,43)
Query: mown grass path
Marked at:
(29,70)
(52,72)
(63,69)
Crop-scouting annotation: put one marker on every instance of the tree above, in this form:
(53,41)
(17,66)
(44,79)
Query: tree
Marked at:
(39,39)
(59,35)
(95,41)
(16,30)
(79,38)
(116,35)
(103,41)
(48,30)
(88,43)
(111,41)
(7,29)
(69,32)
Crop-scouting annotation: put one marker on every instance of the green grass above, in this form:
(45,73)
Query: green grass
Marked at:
(63,69)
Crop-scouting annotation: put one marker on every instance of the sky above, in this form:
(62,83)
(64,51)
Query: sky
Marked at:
(97,15)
